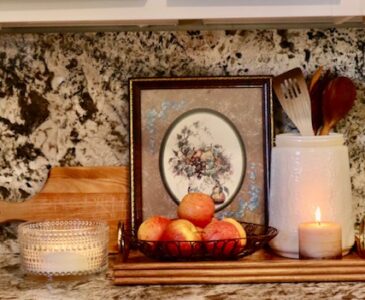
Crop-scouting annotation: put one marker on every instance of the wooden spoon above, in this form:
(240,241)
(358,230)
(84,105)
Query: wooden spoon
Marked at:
(338,98)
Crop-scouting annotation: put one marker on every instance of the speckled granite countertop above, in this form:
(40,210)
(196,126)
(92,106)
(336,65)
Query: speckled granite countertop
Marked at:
(14,284)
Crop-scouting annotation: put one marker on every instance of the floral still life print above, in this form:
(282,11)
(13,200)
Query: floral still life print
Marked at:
(202,151)
(206,134)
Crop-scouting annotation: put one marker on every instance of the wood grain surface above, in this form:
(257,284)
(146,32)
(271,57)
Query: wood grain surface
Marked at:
(84,193)
(262,266)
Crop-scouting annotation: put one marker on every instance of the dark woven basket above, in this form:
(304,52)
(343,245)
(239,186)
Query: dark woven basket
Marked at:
(230,249)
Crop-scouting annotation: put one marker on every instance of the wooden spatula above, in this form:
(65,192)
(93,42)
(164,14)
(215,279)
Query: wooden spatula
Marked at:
(292,92)
(316,88)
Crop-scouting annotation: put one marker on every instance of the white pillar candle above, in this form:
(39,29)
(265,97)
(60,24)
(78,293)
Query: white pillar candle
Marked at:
(320,239)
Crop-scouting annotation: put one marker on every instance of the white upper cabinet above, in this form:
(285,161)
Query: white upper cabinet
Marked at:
(15,13)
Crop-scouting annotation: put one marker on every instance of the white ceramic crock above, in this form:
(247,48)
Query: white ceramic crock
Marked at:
(306,172)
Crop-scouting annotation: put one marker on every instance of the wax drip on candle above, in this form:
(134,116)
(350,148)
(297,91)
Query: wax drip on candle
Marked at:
(318,215)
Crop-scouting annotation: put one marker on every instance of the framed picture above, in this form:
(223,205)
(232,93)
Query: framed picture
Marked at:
(210,134)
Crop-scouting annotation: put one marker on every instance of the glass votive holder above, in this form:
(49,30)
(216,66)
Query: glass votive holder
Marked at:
(360,239)
(63,247)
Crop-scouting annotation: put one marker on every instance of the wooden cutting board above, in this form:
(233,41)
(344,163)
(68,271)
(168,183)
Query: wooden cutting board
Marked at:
(87,193)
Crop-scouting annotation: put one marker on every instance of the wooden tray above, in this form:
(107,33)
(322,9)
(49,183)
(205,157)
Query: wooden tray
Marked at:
(93,193)
(261,267)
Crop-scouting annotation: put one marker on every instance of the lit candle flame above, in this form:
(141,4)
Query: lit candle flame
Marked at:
(318,215)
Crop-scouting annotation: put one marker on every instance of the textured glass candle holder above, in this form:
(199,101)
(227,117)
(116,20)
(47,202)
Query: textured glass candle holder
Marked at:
(61,248)
(360,239)
(309,172)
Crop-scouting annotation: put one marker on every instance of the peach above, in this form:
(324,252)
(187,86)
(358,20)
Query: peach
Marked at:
(152,228)
(239,228)
(179,236)
(221,238)
(197,208)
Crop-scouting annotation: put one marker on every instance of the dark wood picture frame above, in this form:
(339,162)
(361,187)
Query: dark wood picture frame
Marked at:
(255,90)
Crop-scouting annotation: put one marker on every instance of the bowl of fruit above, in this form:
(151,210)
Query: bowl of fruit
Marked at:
(196,234)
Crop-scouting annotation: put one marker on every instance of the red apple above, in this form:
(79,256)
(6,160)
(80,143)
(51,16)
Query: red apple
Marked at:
(152,228)
(197,208)
(179,237)
(221,238)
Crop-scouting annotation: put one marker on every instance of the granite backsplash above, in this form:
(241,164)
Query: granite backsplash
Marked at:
(64,96)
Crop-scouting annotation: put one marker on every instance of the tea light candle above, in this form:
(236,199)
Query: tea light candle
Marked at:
(320,239)
(64,262)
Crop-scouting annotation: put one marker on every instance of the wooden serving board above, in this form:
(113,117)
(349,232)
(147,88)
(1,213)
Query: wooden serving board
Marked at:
(261,267)
(85,193)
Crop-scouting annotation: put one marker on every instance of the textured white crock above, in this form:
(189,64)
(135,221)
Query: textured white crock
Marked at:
(307,172)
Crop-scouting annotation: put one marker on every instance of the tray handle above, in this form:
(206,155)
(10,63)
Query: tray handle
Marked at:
(124,241)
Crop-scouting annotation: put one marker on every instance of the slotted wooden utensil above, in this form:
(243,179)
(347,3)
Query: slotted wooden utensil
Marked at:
(292,92)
